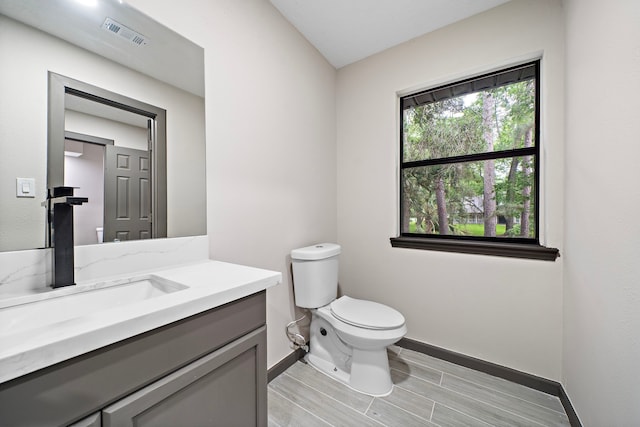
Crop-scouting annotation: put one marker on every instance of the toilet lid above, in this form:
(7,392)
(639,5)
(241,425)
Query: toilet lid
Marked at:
(366,314)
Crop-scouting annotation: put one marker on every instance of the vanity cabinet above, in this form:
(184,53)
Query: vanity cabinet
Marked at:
(208,369)
(218,389)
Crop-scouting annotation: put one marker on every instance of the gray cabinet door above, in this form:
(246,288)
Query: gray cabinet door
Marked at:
(225,388)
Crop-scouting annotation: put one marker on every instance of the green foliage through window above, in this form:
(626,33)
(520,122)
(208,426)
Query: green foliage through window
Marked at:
(469,155)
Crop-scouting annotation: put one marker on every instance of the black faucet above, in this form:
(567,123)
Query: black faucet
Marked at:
(61,202)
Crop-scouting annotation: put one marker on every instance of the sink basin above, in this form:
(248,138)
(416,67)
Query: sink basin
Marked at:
(76,301)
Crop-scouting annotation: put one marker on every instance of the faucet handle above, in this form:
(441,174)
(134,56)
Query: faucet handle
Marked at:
(74,201)
(61,191)
(65,195)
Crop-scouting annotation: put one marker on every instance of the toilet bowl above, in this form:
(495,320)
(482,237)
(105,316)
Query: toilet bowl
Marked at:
(355,355)
(348,336)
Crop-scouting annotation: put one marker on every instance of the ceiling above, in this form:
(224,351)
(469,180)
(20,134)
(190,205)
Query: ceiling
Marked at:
(345,31)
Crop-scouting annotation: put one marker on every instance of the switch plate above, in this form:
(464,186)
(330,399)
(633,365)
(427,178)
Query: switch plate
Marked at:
(25,187)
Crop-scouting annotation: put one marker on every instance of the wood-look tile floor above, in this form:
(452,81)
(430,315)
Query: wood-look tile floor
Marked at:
(427,392)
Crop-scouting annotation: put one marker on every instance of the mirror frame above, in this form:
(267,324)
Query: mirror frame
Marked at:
(59,86)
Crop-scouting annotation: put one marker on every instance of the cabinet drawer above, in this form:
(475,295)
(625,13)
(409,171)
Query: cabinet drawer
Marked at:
(220,389)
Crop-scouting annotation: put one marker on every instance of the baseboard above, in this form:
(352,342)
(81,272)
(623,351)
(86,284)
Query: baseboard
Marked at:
(568,408)
(532,381)
(285,363)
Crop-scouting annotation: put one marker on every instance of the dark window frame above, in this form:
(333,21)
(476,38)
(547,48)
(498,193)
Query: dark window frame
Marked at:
(529,248)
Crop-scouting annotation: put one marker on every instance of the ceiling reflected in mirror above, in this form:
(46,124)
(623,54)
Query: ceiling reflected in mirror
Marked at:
(164,55)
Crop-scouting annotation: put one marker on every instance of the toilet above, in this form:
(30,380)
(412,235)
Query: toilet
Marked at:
(348,336)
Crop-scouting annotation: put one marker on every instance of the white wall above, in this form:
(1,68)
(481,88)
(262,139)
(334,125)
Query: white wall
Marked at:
(601,285)
(506,311)
(271,154)
(28,55)
(23,123)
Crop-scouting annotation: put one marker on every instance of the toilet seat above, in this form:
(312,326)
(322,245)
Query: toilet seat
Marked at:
(366,314)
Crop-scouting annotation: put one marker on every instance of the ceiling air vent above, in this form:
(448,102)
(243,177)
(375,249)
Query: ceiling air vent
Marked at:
(125,32)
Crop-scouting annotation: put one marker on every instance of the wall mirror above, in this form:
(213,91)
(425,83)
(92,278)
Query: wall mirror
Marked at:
(114,152)
(119,56)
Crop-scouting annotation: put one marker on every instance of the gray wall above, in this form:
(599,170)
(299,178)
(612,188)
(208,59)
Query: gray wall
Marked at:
(601,287)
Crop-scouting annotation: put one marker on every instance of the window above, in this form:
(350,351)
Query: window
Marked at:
(469,176)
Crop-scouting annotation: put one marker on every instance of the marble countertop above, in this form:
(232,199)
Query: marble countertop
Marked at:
(209,284)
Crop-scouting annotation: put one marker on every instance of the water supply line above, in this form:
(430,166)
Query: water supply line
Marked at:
(296,338)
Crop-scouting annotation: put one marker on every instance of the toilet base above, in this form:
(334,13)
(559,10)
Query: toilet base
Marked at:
(327,368)
(365,371)
(370,372)
(367,379)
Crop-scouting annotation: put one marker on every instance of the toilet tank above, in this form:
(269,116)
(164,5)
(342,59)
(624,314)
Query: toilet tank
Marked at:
(315,274)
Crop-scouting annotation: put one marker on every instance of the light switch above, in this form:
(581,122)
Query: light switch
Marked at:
(25,187)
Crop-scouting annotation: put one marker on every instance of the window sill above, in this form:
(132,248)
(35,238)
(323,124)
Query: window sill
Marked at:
(511,250)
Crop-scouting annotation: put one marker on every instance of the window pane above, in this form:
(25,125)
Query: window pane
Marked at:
(449,199)
(495,119)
